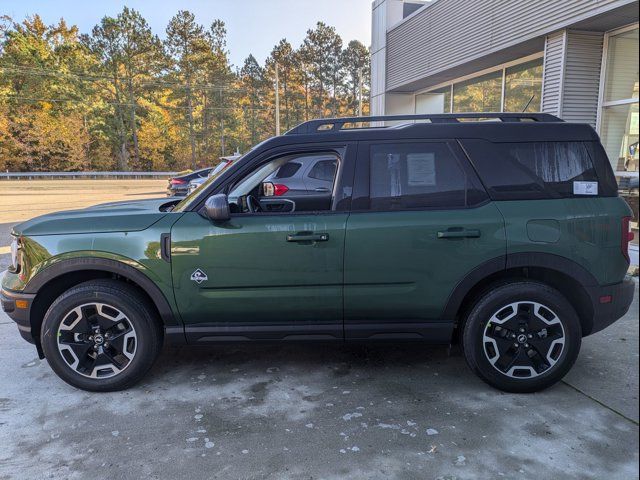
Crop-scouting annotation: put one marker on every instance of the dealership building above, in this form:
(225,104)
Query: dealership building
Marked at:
(577,59)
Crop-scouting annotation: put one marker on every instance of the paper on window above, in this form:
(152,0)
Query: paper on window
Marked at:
(421,169)
(585,188)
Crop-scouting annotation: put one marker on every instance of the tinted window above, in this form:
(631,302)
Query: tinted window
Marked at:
(323,170)
(417,175)
(288,170)
(531,170)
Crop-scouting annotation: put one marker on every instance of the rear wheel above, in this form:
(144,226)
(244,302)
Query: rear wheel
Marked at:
(521,337)
(101,336)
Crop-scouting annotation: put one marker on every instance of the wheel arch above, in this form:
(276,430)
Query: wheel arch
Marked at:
(55,279)
(568,277)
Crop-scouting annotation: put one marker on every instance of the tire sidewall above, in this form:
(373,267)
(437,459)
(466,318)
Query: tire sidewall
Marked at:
(136,312)
(500,297)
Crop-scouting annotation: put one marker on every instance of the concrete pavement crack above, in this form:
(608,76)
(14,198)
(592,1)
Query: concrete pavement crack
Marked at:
(635,422)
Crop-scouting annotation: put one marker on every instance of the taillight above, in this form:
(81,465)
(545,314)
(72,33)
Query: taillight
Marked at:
(626,237)
(177,181)
(279,189)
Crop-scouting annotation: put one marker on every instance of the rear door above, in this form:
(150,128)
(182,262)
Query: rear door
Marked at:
(420,223)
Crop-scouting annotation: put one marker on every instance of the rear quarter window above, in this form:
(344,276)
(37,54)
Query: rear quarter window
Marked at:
(534,170)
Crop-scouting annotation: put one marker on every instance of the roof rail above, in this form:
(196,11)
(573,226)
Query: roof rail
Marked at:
(335,124)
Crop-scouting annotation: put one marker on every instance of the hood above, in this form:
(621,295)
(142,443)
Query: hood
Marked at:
(127,216)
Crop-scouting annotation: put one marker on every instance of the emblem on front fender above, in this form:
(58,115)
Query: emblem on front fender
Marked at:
(199,276)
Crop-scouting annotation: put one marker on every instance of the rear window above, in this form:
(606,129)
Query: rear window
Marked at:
(418,175)
(534,170)
(288,170)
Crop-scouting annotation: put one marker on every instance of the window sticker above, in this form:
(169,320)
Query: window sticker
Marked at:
(585,188)
(421,169)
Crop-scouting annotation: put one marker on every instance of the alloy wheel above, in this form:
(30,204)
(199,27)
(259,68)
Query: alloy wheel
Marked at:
(523,339)
(97,340)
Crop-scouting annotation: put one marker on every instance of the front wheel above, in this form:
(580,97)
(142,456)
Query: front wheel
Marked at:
(100,336)
(521,337)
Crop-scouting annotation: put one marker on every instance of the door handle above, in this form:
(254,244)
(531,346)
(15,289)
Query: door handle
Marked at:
(459,233)
(322,189)
(308,237)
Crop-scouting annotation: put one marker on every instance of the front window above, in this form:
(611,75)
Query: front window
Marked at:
(282,185)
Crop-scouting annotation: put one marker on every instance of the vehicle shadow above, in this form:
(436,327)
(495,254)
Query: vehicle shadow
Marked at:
(183,364)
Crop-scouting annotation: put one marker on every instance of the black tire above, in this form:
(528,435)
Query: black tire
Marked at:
(497,360)
(139,349)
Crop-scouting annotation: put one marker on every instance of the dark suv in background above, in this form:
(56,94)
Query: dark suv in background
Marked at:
(507,236)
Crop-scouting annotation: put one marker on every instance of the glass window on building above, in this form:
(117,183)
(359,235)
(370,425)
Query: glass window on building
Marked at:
(619,130)
(523,87)
(622,67)
(480,94)
(619,114)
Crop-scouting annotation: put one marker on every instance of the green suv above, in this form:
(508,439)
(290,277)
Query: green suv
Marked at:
(502,232)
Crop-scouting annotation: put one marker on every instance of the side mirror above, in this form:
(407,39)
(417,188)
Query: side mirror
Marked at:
(217,208)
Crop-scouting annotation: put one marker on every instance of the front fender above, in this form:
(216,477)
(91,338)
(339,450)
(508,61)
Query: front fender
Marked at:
(133,255)
(158,289)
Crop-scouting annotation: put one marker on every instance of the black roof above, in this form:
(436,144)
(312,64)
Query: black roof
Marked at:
(498,127)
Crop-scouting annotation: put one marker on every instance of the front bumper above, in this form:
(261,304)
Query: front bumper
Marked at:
(17,306)
(604,314)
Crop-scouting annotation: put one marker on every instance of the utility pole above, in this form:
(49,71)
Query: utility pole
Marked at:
(222,113)
(277,86)
(360,92)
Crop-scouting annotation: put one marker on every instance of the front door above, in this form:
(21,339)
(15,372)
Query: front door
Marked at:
(273,271)
(420,222)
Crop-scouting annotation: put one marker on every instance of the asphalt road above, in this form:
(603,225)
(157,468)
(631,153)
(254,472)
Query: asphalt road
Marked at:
(330,412)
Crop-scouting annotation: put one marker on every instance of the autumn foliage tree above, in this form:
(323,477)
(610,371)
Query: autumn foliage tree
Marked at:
(121,98)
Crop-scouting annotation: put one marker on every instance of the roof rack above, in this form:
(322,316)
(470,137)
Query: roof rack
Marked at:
(336,124)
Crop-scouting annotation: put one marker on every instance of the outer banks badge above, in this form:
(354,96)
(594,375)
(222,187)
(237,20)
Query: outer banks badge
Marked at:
(199,276)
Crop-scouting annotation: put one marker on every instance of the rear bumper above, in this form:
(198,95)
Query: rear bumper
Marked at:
(181,191)
(604,314)
(21,316)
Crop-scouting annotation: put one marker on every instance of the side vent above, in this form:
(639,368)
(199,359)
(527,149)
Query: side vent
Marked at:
(165,247)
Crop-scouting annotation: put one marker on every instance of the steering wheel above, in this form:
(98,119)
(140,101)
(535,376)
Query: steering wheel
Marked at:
(253,204)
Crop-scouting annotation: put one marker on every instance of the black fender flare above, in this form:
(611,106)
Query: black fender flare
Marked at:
(547,261)
(79,264)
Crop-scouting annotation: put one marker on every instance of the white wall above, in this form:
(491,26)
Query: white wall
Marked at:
(384,14)
(431,103)
(399,104)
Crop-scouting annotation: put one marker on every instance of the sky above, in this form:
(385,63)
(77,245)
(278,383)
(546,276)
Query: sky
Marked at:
(253,26)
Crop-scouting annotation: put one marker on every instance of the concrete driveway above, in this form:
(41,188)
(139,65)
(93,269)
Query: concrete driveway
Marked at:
(310,412)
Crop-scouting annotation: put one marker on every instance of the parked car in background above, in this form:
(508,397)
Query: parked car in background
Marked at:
(311,175)
(179,185)
(225,162)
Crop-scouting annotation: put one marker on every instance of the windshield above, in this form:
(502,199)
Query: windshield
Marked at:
(213,176)
(187,200)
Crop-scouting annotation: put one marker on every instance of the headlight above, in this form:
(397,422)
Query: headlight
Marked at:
(15,248)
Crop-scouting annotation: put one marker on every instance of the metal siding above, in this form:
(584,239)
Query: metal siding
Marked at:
(447,33)
(554,52)
(582,77)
